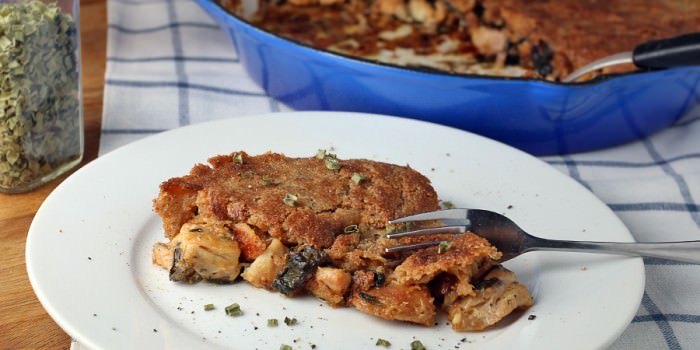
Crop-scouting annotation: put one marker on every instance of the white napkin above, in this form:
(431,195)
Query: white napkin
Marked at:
(165,60)
(169,65)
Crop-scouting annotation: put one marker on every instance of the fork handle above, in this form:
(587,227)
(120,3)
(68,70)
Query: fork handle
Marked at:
(685,251)
(683,50)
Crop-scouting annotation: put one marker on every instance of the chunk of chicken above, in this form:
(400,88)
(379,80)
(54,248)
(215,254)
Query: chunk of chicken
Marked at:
(200,251)
(329,284)
(429,14)
(488,41)
(396,8)
(265,268)
(469,257)
(497,295)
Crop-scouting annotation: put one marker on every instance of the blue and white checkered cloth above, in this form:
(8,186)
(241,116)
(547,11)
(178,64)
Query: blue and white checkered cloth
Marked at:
(169,65)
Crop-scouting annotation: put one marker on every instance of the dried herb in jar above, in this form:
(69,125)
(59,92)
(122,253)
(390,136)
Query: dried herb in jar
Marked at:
(40,112)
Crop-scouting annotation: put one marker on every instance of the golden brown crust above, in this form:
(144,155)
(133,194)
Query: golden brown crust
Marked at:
(177,198)
(412,303)
(466,256)
(500,295)
(467,259)
(250,243)
(252,188)
(327,237)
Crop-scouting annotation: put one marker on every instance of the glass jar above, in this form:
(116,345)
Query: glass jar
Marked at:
(41,112)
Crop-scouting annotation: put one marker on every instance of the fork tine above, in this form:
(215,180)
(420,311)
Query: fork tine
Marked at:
(449,214)
(429,231)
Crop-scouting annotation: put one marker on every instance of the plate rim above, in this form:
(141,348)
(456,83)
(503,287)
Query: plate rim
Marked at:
(75,333)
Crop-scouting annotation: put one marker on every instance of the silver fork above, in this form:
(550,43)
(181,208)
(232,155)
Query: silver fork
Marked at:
(512,240)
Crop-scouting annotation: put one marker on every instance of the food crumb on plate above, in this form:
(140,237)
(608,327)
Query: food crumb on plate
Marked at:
(417,345)
(383,342)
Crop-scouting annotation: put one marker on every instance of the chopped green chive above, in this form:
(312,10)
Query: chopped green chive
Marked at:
(383,342)
(390,229)
(417,345)
(290,321)
(238,158)
(406,226)
(447,205)
(267,181)
(290,199)
(272,322)
(320,154)
(444,246)
(351,229)
(285,347)
(357,178)
(209,307)
(234,310)
(331,162)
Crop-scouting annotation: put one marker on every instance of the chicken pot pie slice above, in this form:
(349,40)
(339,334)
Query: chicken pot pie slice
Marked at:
(316,226)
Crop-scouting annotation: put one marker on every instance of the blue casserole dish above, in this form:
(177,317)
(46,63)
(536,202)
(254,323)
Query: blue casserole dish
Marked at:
(537,116)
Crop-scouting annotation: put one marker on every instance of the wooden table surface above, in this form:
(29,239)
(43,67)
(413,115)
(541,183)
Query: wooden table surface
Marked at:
(23,322)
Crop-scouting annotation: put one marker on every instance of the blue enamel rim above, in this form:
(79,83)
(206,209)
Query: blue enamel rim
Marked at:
(552,118)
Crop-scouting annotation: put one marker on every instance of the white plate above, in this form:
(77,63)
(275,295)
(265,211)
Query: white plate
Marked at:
(89,247)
